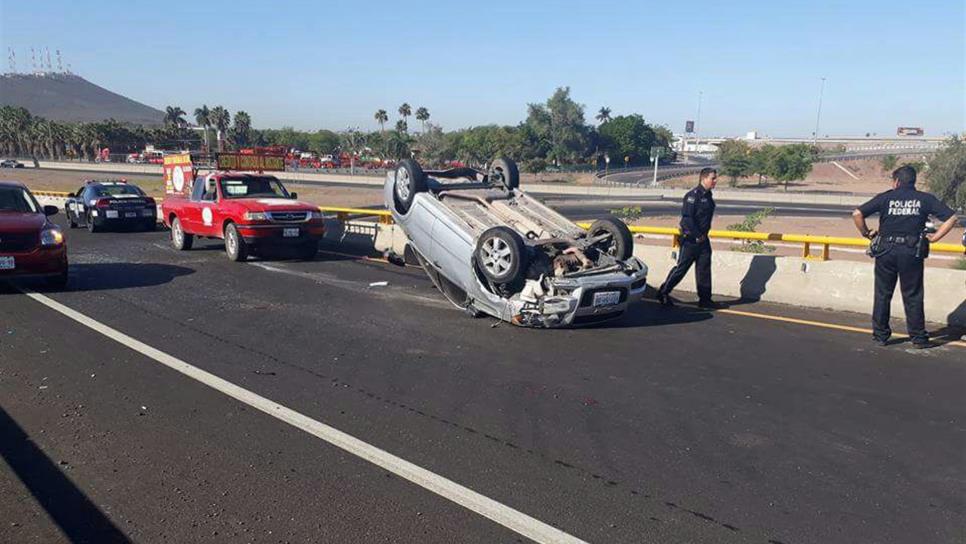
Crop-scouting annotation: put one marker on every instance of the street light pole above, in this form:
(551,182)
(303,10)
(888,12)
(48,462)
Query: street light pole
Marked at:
(818,117)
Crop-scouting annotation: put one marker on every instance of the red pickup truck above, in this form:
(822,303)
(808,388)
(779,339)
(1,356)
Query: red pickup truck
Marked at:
(248,211)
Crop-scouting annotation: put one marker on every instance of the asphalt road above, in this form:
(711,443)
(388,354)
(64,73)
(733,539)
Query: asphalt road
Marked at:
(668,426)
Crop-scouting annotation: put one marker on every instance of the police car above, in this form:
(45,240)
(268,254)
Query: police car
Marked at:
(109,204)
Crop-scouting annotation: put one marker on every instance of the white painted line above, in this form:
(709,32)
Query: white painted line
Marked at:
(846,170)
(514,520)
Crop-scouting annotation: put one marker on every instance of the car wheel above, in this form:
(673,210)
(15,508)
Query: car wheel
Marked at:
(91,227)
(409,181)
(620,244)
(235,246)
(505,172)
(501,254)
(308,250)
(180,239)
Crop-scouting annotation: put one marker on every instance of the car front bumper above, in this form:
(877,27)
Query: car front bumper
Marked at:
(41,261)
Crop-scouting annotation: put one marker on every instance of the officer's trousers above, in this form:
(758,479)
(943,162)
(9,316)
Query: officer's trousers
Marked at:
(698,254)
(899,263)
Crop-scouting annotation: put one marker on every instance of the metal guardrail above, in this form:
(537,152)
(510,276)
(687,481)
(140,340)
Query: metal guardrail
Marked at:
(807,240)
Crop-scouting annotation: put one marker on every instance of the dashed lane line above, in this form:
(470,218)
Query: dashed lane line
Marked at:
(502,514)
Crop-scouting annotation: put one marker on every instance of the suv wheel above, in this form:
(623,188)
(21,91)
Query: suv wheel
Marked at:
(501,254)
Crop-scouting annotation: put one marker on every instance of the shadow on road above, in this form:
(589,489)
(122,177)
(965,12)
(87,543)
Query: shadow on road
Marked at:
(107,276)
(75,514)
(649,313)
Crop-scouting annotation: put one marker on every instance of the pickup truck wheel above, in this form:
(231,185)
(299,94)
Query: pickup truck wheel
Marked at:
(501,254)
(409,181)
(235,245)
(505,172)
(620,245)
(180,239)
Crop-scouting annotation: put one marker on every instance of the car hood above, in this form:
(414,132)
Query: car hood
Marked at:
(21,222)
(273,204)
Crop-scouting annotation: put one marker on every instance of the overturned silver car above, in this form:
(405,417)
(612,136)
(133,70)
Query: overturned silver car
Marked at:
(490,248)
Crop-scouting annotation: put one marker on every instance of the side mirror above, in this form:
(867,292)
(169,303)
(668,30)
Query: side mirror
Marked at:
(51,210)
(294,196)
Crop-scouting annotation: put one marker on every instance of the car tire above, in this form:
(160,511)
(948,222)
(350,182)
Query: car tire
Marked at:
(70,218)
(91,227)
(501,255)
(235,246)
(409,181)
(181,240)
(308,250)
(505,172)
(621,245)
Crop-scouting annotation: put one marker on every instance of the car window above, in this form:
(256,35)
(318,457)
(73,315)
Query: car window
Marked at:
(15,199)
(117,190)
(252,186)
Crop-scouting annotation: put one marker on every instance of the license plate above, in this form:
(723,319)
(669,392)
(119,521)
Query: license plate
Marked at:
(148,212)
(607,298)
(7,263)
(131,214)
(111,214)
(290,233)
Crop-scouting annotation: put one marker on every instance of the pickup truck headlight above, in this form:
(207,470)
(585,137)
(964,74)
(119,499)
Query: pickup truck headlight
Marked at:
(51,237)
(256,216)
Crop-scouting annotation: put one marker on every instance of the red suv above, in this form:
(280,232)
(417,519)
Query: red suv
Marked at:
(30,244)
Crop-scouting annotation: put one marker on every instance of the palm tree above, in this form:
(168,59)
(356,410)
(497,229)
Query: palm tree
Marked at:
(381,117)
(203,118)
(405,110)
(241,132)
(402,126)
(174,115)
(603,115)
(422,114)
(220,119)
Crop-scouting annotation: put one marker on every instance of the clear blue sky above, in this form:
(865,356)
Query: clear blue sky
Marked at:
(758,63)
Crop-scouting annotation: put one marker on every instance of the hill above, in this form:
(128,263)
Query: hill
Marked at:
(66,97)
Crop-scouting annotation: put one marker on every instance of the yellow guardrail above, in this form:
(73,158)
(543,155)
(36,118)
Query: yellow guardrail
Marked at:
(55,194)
(807,240)
(344,214)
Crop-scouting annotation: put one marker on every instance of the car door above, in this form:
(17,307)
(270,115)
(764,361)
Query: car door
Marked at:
(75,206)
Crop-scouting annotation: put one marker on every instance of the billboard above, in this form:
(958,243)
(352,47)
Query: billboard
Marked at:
(250,162)
(178,174)
(910,131)
(689,127)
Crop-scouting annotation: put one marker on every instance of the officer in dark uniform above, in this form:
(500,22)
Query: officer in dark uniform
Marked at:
(901,249)
(696,215)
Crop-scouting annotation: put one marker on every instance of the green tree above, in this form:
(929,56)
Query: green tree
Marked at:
(792,163)
(402,126)
(735,159)
(762,159)
(174,115)
(241,132)
(203,119)
(628,136)
(221,119)
(603,115)
(947,173)
(405,111)
(422,115)
(559,125)
(889,162)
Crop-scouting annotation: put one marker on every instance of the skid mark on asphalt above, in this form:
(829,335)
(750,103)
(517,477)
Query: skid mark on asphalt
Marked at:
(604,480)
(514,520)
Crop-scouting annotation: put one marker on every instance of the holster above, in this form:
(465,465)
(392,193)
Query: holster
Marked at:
(878,247)
(922,246)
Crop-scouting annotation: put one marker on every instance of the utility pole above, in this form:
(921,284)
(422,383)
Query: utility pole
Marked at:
(697,121)
(818,117)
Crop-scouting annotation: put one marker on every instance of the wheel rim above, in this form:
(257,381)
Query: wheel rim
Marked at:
(230,242)
(177,233)
(402,184)
(497,257)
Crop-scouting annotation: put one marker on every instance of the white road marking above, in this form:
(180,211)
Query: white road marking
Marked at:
(514,520)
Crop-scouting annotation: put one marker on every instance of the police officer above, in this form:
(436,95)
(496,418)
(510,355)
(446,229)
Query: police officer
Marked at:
(696,215)
(903,212)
